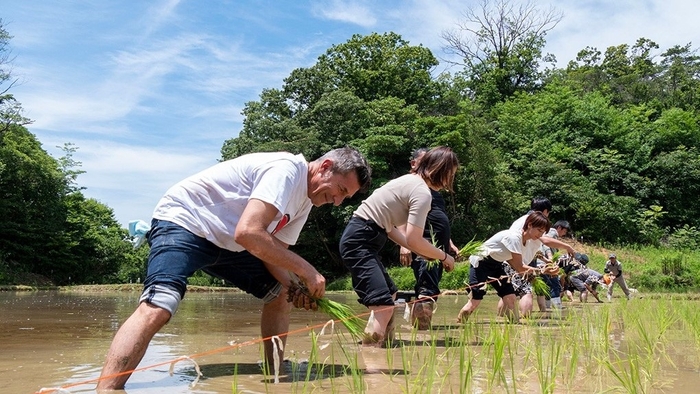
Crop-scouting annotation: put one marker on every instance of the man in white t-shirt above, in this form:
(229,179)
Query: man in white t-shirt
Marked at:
(235,221)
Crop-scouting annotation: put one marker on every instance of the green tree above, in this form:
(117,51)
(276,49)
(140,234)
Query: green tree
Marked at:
(500,46)
(32,209)
(371,67)
(681,77)
(368,92)
(10,109)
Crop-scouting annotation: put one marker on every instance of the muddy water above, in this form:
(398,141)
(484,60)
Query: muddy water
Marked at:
(57,339)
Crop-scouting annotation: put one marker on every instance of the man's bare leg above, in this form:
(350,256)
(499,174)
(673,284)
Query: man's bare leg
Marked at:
(275,321)
(130,344)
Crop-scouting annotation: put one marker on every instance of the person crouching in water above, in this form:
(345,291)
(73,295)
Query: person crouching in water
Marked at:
(404,200)
(517,248)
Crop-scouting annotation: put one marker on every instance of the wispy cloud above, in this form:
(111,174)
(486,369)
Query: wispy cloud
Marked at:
(159,14)
(355,12)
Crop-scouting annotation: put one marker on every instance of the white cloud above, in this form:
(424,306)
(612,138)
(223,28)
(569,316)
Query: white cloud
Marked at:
(602,24)
(358,13)
(132,178)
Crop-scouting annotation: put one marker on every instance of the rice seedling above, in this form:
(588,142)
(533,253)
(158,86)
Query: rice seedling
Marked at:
(547,356)
(466,368)
(336,310)
(472,247)
(498,342)
(430,264)
(592,348)
(234,384)
(629,374)
(539,287)
(313,356)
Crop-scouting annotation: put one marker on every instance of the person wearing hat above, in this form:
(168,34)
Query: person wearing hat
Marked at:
(614,268)
(585,279)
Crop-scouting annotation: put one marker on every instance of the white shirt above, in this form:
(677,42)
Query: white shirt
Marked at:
(504,244)
(532,244)
(211,202)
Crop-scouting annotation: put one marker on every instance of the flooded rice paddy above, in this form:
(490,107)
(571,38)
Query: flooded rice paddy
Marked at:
(59,340)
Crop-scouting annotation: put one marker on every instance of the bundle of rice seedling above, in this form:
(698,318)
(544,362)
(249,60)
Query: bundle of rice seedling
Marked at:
(539,287)
(472,247)
(343,313)
(555,256)
(336,310)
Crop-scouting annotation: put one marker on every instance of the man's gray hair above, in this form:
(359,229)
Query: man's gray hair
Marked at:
(349,159)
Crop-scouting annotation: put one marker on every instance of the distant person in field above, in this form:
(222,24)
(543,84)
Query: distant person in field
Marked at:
(586,280)
(614,268)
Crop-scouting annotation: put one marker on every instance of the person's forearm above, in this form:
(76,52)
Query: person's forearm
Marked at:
(415,242)
(555,243)
(274,253)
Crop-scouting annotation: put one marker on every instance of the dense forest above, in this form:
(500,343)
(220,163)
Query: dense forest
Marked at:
(612,139)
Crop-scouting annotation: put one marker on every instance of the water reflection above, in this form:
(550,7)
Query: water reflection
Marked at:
(53,339)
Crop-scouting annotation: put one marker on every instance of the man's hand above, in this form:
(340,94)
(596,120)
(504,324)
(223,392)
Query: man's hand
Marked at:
(300,300)
(405,256)
(315,284)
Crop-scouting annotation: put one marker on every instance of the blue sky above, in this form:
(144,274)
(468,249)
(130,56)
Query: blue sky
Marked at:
(149,90)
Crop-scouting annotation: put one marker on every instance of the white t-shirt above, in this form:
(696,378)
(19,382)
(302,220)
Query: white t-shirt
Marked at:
(210,203)
(402,200)
(519,222)
(503,244)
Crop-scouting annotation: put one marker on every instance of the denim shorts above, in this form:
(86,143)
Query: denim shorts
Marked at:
(359,248)
(177,253)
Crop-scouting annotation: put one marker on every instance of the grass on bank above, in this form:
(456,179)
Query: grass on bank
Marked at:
(648,269)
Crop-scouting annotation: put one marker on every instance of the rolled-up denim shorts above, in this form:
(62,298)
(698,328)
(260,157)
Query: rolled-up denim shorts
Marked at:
(176,254)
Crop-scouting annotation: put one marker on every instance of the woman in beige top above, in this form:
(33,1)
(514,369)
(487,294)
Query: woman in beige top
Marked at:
(401,201)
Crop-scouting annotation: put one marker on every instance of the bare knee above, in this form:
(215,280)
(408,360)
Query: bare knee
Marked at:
(152,315)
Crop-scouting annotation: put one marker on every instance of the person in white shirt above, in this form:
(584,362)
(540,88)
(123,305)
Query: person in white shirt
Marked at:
(512,247)
(235,221)
(523,288)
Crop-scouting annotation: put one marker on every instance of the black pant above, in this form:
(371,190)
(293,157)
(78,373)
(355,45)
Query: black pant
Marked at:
(359,248)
